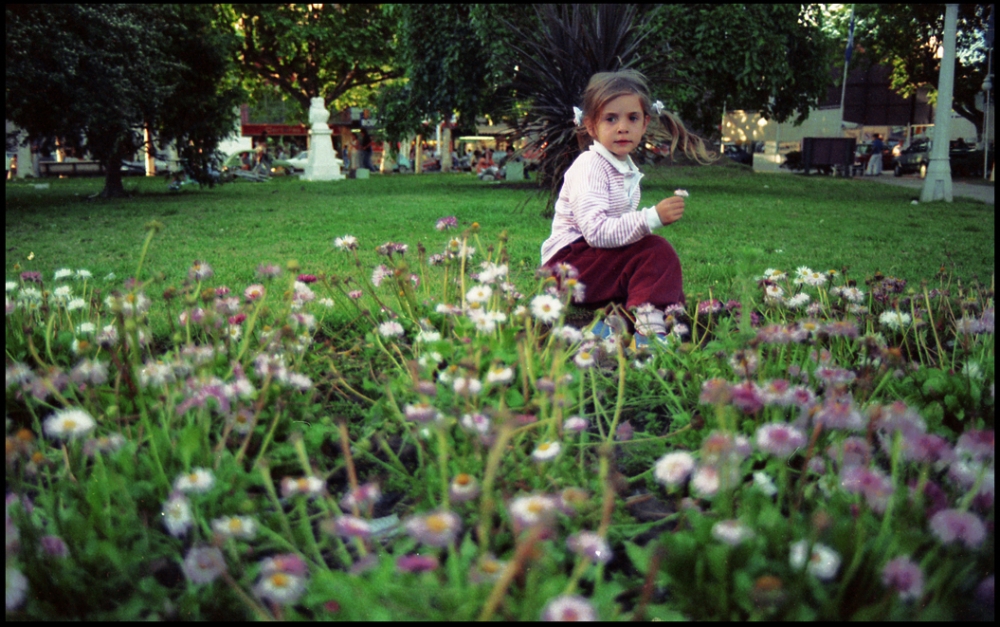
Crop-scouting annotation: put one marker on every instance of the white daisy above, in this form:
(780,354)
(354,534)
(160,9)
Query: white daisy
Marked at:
(570,334)
(75,304)
(500,374)
(673,468)
(390,329)
(467,385)
(546,451)
(546,308)
(731,532)
(853,294)
(69,424)
(895,320)
(823,561)
(479,294)
(280,587)
(199,480)
(584,358)
(63,273)
(428,336)
(797,301)
(309,486)
(177,515)
(242,527)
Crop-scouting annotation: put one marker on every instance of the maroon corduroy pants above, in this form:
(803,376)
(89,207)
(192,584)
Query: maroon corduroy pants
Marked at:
(647,271)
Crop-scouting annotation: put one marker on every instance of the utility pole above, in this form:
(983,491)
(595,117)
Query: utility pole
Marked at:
(937,185)
(848,51)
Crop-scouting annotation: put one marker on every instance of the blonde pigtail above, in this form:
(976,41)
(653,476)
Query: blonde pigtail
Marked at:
(673,130)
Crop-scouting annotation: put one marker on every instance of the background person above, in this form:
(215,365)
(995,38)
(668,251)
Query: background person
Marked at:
(875,162)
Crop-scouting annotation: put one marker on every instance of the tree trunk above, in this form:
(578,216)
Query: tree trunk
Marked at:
(113,187)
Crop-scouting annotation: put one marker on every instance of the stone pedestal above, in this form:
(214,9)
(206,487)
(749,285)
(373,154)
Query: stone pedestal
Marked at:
(323,164)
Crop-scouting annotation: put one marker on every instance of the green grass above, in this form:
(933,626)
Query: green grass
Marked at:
(736,222)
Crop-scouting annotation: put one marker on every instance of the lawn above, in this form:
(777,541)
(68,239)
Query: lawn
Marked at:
(733,216)
(223,440)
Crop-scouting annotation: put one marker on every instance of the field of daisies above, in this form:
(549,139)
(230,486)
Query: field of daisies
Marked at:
(419,440)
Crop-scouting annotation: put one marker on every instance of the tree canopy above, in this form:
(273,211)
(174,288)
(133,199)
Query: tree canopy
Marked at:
(906,37)
(95,75)
(771,58)
(315,50)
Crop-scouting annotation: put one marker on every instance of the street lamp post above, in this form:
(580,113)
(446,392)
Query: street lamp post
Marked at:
(937,185)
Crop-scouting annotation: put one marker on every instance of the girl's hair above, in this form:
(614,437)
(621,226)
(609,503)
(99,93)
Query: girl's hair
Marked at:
(606,86)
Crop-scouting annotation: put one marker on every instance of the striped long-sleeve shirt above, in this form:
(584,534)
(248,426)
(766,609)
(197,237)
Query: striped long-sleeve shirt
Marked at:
(598,202)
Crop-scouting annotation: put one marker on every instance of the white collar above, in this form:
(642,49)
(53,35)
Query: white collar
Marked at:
(625,167)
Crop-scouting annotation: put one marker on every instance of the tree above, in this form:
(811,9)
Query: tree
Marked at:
(771,58)
(200,110)
(454,61)
(906,37)
(315,50)
(96,74)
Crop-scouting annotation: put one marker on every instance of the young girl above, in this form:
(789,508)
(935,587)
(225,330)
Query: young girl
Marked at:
(597,229)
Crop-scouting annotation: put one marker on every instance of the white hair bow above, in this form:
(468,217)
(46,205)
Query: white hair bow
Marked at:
(577,116)
(658,107)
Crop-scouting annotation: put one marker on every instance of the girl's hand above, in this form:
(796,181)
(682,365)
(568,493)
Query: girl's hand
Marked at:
(670,209)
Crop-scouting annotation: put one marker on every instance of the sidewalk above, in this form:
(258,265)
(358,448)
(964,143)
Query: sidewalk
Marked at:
(982,193)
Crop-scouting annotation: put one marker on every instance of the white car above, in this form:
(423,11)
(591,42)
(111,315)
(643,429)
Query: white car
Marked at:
(299,161)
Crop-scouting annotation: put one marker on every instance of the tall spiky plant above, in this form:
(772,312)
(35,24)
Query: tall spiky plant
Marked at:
(571,44)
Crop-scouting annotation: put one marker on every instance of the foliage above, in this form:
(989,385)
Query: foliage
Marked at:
(772,58)
(316,50)
(421,440)
(205,92)
(95,75)
(456,62)
(901,36)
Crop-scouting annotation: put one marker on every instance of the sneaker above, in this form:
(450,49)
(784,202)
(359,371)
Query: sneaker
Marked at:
(612,325)
(642,341)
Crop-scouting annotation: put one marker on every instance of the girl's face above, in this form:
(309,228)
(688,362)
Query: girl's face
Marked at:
(620,125)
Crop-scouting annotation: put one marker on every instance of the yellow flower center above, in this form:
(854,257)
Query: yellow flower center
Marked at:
(536,507)
(193,477)
(235,525)
(69,424)
(544,446)
(491,567)
(280,580)
(303,484)
(463,479)
(437,523)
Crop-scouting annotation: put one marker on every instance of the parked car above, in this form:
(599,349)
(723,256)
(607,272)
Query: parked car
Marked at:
(163,165)
(737,154)
(965,160)
(299,161)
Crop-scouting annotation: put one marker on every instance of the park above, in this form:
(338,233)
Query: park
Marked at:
(344,396)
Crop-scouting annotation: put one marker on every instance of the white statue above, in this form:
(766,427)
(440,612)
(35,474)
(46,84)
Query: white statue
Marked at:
(318,115)
(323,164)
